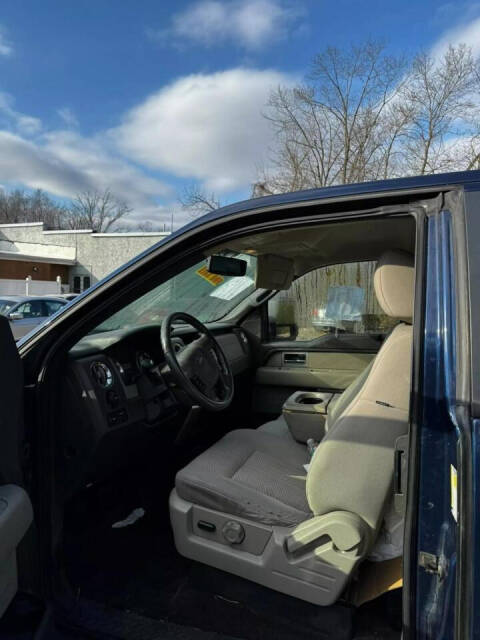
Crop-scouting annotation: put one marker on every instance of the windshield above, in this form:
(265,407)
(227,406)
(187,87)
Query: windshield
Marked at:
(5,306)
(207,296)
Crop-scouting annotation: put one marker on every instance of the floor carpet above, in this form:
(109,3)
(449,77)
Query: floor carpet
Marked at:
(137,569)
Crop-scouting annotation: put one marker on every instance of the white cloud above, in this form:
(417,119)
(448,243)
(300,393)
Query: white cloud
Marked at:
(68,116)
(6,48)
(205,127)
(14,119)
(98,165)
(64,164)
(249,23)
(24,162)
(464,33)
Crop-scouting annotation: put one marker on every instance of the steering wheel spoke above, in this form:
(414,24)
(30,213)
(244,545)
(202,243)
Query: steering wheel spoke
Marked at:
(200,368)
(198,382)
(225,380)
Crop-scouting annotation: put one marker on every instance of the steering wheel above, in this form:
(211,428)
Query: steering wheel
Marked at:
(200,368)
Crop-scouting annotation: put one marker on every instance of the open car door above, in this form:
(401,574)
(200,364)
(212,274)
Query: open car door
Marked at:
(16,512)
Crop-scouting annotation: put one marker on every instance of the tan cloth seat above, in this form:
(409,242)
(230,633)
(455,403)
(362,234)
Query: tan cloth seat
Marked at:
(250,474)
(277,427)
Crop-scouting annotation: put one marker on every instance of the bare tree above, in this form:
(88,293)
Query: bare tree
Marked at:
(96,210)
(354,89)
(90,210)
(363,115)
(18,206)
(337,127)
(471,155)
(197,201)
(443,99)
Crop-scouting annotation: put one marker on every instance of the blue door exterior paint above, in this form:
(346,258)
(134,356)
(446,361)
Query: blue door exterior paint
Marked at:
(437,526)
(476,529)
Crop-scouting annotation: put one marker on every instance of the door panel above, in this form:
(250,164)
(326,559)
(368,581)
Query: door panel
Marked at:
(326,371)
(15,506)
(286,371)
(16,516)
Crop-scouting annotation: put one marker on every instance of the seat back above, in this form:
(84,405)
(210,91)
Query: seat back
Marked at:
(352,468)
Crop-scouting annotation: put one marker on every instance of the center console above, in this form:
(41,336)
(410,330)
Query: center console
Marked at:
(306,413)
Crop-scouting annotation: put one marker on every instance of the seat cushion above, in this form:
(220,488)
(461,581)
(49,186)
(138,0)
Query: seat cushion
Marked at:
(278,427)
(254,475)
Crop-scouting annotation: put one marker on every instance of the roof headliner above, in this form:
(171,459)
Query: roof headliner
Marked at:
(317,245)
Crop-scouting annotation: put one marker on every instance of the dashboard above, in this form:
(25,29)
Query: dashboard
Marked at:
(116,397)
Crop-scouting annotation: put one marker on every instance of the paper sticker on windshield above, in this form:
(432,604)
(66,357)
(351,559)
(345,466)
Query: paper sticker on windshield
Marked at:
(453,492)
(213,278)
(230,289)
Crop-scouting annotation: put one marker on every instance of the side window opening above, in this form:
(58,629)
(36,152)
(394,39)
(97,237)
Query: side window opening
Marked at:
(52,306)
(32,309)
(337,299)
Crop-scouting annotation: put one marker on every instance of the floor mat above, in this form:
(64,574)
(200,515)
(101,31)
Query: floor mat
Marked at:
(214,599)
(92,621)
(383,615)
(22,618)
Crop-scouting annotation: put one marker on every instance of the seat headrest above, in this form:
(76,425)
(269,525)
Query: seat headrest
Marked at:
(394,283)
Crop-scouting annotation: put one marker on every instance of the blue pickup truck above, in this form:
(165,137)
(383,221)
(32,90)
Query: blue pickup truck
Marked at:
(184,454)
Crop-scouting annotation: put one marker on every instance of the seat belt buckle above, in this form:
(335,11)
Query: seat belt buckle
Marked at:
(311,446)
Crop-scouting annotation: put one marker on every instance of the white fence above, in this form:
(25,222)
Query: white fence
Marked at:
(29,287)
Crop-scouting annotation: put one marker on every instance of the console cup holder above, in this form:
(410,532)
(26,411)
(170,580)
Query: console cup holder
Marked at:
(310,397)
(305,413)
(309,400)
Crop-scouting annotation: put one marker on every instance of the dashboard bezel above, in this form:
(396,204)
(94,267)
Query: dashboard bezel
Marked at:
(108,429)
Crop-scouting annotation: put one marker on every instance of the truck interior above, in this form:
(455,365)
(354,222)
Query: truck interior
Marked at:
(229,473)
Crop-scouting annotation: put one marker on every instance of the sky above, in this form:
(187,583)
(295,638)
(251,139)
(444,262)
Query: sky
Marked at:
(149,97)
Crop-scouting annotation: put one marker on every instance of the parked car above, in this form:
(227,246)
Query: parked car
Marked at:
(26,312)
(67,296)
(129,431)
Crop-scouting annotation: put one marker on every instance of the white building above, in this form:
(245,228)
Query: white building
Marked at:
(77,258)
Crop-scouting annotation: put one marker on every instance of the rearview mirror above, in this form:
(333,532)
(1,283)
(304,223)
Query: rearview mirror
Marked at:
(225,266)
(15,315)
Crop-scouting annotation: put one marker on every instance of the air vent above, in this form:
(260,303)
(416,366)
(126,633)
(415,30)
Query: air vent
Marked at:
(102,375)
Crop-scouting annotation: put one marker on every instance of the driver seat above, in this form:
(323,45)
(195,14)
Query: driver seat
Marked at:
(247,505)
